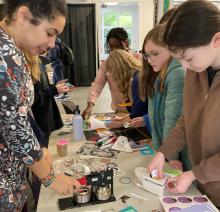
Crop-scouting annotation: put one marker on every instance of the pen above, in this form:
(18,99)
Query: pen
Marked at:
(106,146)
(112,140)
(103,139)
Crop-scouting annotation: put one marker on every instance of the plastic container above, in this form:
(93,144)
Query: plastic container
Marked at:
(77,126)
(62,147)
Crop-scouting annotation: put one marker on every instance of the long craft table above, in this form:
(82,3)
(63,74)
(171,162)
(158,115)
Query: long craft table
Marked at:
(127,162)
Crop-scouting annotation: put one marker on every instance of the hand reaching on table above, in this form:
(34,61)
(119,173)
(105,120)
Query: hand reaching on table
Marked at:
(88,111)
(64,184)
(114,124)
(118,121)
(122,119)
(176,164)
(137,122)
(157,163)
(181,183)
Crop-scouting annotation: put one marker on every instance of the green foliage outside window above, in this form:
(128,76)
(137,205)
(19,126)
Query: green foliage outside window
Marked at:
(125,20)
(110,19)
(113,19)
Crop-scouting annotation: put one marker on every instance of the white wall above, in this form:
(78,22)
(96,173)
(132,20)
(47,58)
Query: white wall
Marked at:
(146,14)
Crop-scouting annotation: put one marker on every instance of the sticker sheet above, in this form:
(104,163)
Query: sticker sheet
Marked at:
(187,204)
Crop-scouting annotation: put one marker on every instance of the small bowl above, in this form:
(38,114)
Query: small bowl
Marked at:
(82,195)
(103,193)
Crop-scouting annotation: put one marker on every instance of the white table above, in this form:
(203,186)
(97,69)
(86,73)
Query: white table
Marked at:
(127,162)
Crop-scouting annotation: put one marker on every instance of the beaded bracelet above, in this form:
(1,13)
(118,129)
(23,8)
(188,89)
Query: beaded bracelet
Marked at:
(49,179)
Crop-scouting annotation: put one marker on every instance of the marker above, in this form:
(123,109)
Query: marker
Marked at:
(103,139)
(109,141)
(106,146)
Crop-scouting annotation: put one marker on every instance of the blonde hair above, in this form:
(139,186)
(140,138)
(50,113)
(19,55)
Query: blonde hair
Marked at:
(33,64)
(122,65)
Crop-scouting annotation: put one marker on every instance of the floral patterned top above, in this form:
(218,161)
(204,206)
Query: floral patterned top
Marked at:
(18,144)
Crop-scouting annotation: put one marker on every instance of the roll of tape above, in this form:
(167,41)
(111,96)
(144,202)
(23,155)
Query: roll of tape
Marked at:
(125,180)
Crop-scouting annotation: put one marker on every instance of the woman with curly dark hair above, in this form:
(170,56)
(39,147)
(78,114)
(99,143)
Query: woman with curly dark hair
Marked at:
(28,26)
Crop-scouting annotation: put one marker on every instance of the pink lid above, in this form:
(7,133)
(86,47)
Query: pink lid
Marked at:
(62,142)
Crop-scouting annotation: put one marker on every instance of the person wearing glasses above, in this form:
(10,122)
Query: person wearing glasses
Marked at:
(193,37)
(162,82)
(117,38)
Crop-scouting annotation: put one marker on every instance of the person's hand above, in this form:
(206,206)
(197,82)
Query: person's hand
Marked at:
(114,124)
(62,88)
(62,81)
(47,156)
(64,184)
(137,122)
(181,183)
(157,163)
(122,119)
(176,164)
(87,112)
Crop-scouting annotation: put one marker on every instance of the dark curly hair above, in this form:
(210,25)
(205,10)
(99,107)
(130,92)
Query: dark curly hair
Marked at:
(40,9)
(118,33)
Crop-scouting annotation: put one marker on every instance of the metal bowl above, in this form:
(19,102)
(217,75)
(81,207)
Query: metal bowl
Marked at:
(103,193)
(82,195)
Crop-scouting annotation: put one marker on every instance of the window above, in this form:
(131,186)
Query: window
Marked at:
(119,16)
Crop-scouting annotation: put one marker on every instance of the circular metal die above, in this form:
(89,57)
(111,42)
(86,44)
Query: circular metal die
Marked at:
(103,193)
(82,195)
(125,180)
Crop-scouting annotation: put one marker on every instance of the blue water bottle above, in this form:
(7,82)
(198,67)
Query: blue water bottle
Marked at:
(77,125)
